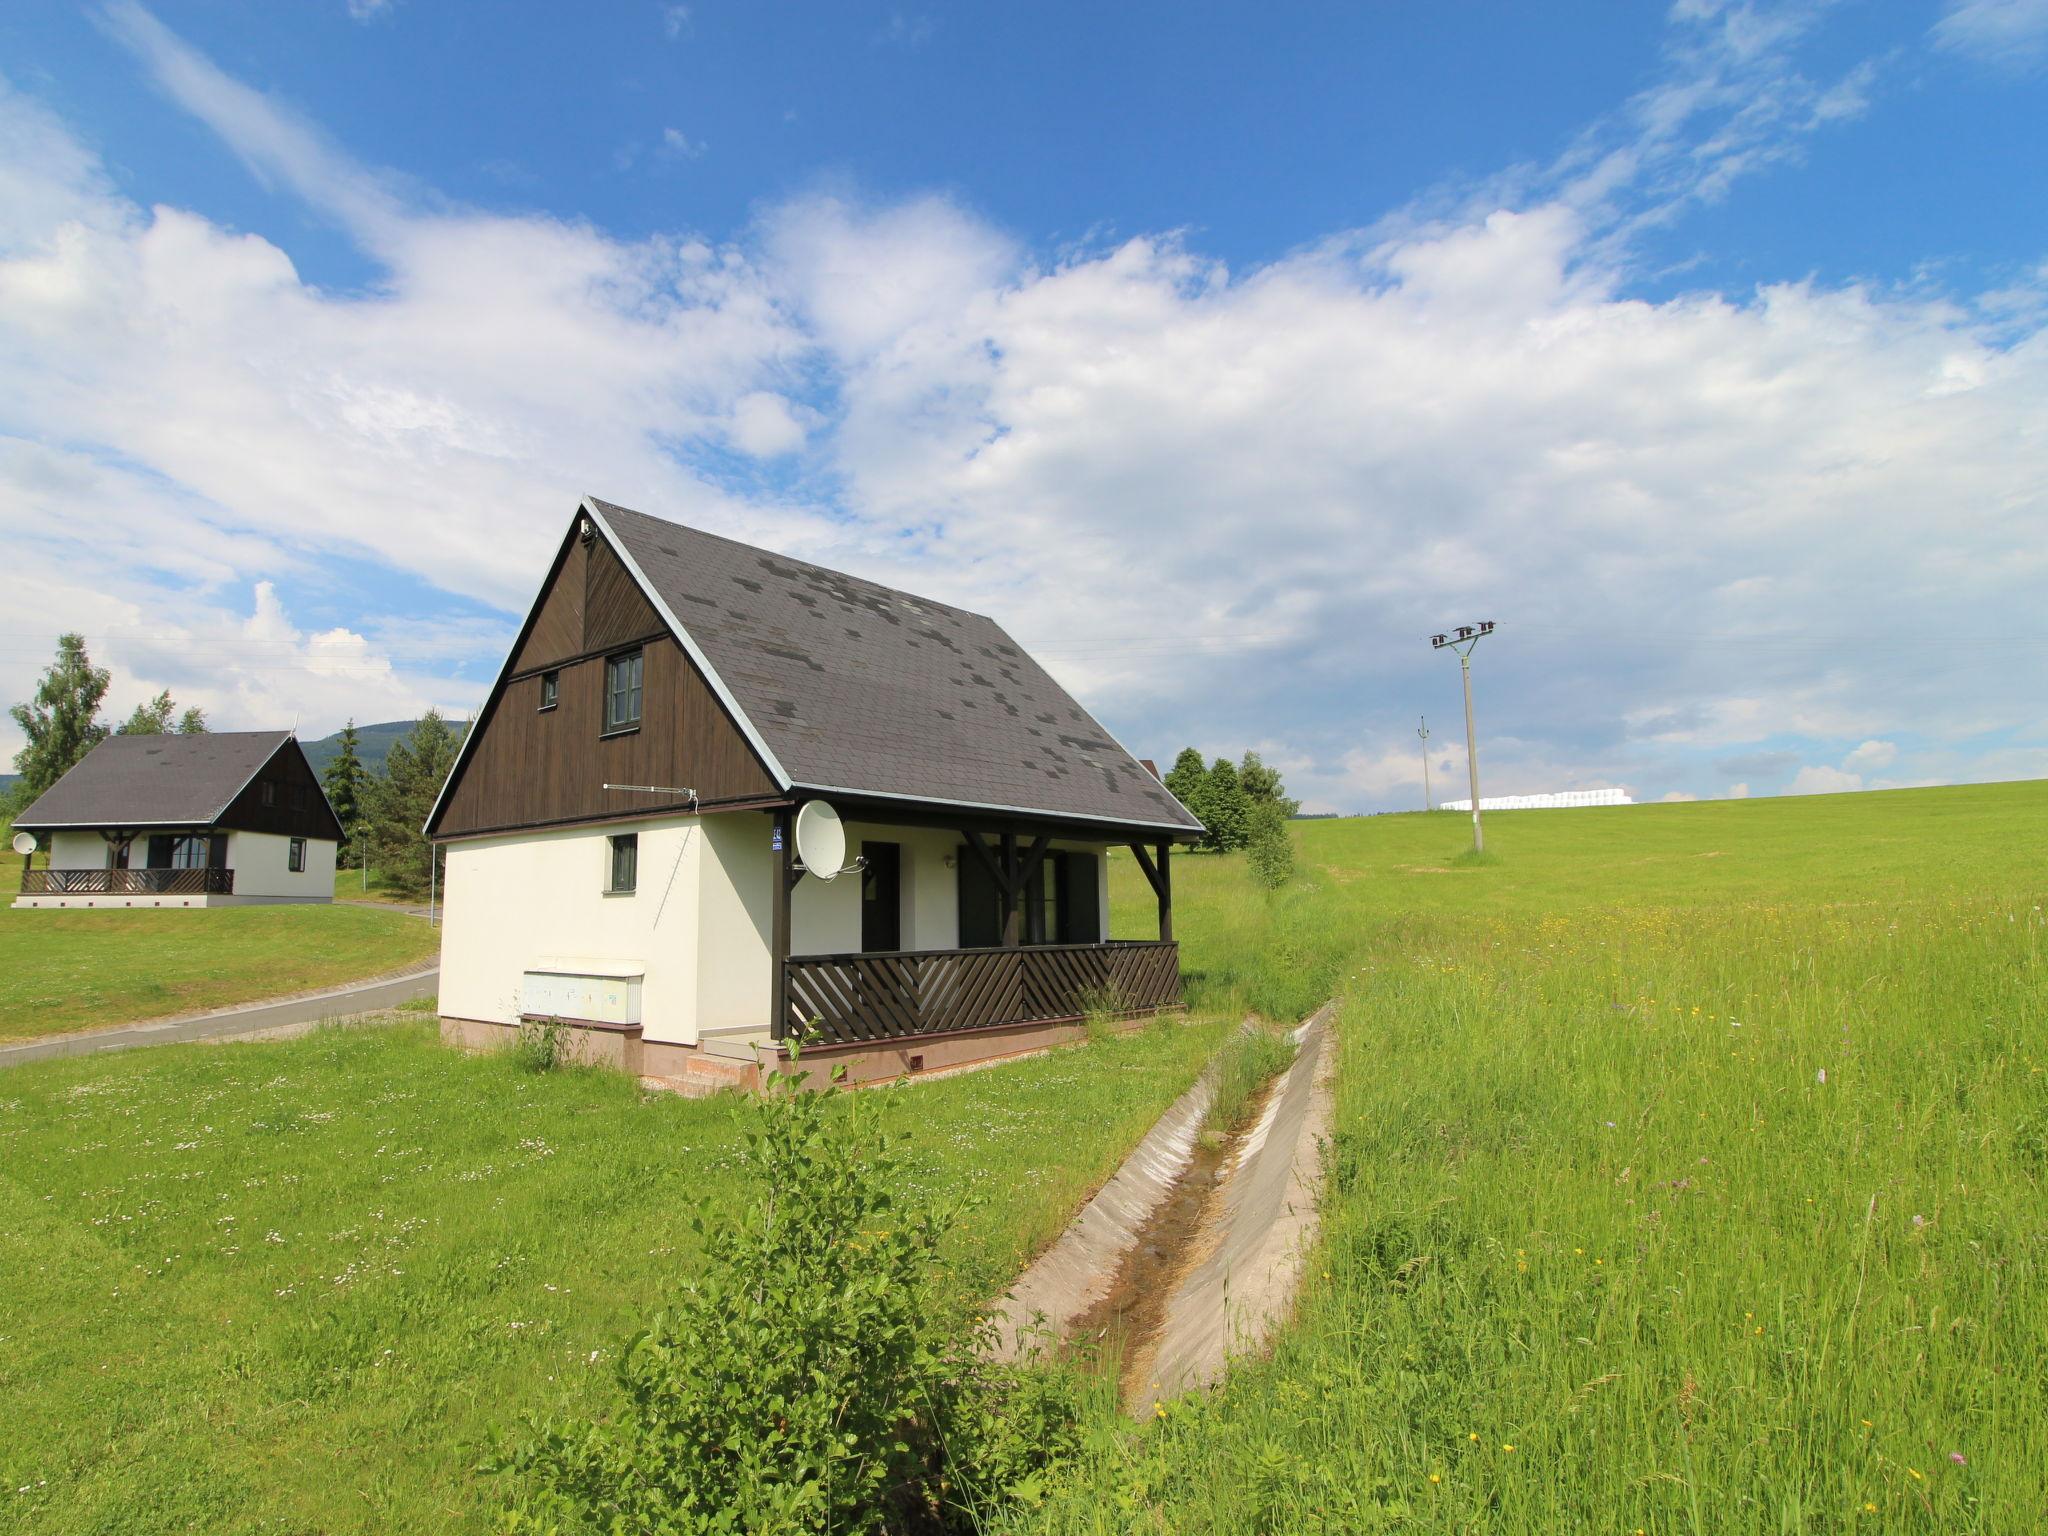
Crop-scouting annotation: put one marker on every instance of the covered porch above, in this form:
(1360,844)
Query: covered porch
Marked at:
(1032,945)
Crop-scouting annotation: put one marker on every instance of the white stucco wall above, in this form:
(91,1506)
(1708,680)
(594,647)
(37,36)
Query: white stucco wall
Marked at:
(262,865)
(697,929)
(75,850)
(735,894)
(536,901)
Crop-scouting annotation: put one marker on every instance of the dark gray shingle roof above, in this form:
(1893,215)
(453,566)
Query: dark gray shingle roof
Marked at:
(859,687)
(137,781)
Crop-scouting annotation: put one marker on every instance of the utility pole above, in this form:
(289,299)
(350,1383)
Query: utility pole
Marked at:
(1423,731)
(1467,636)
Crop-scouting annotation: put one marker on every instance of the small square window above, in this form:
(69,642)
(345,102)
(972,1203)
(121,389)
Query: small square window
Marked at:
(298,856)
(550,689)
(267,793)
(622,692)
(625,871)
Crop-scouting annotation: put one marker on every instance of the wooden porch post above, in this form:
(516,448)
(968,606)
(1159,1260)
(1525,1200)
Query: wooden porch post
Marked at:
(1011,912)
(1166,892)
(784,880)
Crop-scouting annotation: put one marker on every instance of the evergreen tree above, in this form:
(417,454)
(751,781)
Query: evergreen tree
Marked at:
(1224,808)
(347,782)
(401,800)
(62,721)
(1262,785)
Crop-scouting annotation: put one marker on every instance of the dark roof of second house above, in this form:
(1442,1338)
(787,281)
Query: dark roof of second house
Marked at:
(856,687)
(162,781)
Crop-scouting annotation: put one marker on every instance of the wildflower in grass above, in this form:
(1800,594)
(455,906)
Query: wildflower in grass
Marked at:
(1474,1438)
(1508,1448)
(1435,1477)
(1958,1458)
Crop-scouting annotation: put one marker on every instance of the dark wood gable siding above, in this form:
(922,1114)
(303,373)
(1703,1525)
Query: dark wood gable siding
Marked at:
(290,777)
(615,610)
(531,767)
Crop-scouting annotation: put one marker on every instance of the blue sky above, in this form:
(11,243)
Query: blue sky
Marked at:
(1221,354)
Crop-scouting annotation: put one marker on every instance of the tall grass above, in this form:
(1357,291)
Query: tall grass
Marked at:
(1654,1213)
(1249,1060)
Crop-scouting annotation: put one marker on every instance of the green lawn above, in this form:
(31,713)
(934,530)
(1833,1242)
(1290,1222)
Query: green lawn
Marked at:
(73,970)
(293,1286)
(349,885)
(1688,1177)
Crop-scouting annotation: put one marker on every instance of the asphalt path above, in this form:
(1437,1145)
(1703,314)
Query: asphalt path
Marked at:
(227,1023)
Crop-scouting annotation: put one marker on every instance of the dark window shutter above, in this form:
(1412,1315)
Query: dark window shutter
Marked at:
(160,850)
(217,851)
(981,905)
(1080,910)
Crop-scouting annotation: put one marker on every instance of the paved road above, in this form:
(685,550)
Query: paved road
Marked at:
(256,1018)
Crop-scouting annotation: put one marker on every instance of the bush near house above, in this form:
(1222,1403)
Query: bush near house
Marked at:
(1688,1176)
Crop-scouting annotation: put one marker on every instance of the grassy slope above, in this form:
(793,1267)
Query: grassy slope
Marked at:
(73,970)
(1604,1250)
(293,1286)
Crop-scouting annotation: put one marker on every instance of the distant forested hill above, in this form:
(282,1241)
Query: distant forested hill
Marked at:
(373,743)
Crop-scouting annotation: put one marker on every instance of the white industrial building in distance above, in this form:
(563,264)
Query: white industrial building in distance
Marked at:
(1562,800)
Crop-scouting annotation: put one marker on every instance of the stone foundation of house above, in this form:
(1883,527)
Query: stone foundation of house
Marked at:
(696,1069)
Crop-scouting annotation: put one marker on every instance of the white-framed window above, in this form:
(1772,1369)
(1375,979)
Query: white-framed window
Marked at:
(188,853)
(623,874)
(297,859)
(622,691)
(550,689)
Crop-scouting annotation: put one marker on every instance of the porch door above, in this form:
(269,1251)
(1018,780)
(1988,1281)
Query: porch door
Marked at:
(881,898)
(981,904)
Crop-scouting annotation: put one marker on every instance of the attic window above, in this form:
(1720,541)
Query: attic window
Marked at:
(267,792)
(622,692)
(550,689)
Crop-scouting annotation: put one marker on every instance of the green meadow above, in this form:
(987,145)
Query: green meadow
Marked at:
(73,970)
(1688,1177)
(299,1285)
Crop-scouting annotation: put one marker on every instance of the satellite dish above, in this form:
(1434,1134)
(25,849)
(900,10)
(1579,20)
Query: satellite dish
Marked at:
(24,843)
(820,839)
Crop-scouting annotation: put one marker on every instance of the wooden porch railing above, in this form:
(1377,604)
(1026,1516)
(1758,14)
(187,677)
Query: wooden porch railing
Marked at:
(844,999)
(127,882)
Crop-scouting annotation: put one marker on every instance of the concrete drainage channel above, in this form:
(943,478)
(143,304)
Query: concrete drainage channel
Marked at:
(1191,1254)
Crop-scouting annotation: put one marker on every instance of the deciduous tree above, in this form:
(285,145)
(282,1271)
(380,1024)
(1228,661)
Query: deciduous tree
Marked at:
(62,721)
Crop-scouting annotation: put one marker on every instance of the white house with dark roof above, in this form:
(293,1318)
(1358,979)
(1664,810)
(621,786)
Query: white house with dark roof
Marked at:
(224,818)
(621,823)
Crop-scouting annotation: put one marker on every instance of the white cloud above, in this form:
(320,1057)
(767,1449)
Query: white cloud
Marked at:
(1818,779)
(764,425)
(1738,791)
(1226,505)
(677,145)
(2001,31)
(1678,797)
(368,10)
(1871,757)
(675,21)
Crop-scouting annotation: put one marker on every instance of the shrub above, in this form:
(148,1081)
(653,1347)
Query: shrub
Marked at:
(1271,850)
(812,1378)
